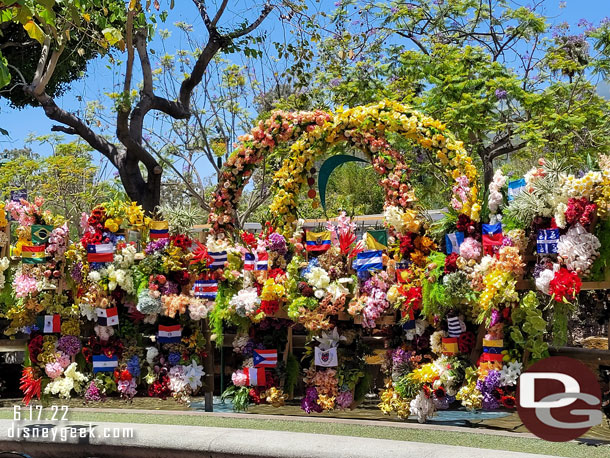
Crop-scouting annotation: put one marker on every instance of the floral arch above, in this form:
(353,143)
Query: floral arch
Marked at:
(311,134)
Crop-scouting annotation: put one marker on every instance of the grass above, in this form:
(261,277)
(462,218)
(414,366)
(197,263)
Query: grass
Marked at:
(517,444)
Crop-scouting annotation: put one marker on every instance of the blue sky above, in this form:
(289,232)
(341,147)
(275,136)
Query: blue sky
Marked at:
(99,79)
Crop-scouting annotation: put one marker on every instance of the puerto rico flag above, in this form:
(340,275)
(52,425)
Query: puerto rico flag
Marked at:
(249,261)
(219,257)
(453,242)
(169,334)
(102,363)
(33,254)
(159,230)
(256,376)
(547,240)
(107,317)
(103,252)
(264,358)
(205,289)
(262,261)
(49,323)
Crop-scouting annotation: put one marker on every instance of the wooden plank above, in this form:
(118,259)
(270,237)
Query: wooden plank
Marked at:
(8,345)
(592,355)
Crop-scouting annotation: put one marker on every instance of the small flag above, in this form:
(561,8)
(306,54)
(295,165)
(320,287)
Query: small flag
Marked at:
(103,252)
(205,289)
(492,237)
(159,230)
(492,229)
(317,241)
(450,346)
(249,261)
(102,363)
(455,326)
(169,334)
(219,257)
(255,376)
(547,240)
(264,358)
(369,260)
(49,323)
(495,346)
(492,357)
(377,240)
(401,267)
(326,358)
(453,242)
(107,317)
(515,187)
(262,261)
(33,254)
(40,234)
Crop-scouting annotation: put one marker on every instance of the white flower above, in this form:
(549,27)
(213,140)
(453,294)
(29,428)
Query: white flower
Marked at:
(94,276)
(423,407)
(318,278)
(329,339)
(510,373)
(393,216)
(177,381)
(193,374)
(151,354)
(88,310)
(4,263)
(578,249)
(544,280)
(245,302)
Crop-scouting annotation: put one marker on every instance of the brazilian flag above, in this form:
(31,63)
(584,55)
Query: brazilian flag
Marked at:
(40,234)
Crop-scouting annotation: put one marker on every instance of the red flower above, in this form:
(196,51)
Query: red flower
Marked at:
(277,272)
(181,241)
(406,243)
(30,385)
(35,347)
(270,307)
(508,402)
(465,224)
(466,342)
(565,285)
(451,263)
(439,393)
(427,391)
(249,239)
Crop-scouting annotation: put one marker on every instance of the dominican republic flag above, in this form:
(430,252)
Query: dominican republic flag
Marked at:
(262,261)
(107,317)
(102,363)
(219,257)
(264,358)
(453,242)
(169,334)
(317,241)
(205,289)
(255,376)
(49,323)
(450,346)
(515,187)
(159,230)
(103,252)
(249,261)
(455,326)
(547,240)
(369,260)
(492,237)
(401,267)
(34,254)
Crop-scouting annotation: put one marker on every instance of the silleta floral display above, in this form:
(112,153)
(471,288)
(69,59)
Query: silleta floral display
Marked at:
(451,310)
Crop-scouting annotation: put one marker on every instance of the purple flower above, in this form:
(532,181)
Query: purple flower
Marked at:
(156,245)
(133,366)
(70,345)
(278,243)
(77,272)
(310,402)
(93,393)
(345,399)
(174,358)
(501,94)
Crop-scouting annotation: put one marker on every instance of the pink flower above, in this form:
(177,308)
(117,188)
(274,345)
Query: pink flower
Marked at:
(54,370)
(470,249)
(239,378)
(24,285)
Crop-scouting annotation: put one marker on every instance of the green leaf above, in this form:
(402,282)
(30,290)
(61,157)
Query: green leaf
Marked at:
(5,75)
(112,35)
(34,31)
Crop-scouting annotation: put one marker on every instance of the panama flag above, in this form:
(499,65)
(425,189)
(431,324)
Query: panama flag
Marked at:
(205,289)
(102,363)
(453,242)
(50,323)
(255,376)
(369,260)
(219,257)
(262,261)
(159,230)
(264,358)
(107,317)
(169,334)
(249,261)
(103,252)
(33,254)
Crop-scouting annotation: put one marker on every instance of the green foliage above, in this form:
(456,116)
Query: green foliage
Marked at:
(363,386)
(408,386)
(434,297)
(293,369)
(182,218)
(600,266)
(529,327)
(239,396)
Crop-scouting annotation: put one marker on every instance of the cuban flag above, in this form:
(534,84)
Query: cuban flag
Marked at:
(515,187)
(49,323)
(219,257)
(369,260)
(159,230)
(547,240)
(264,358)
(453,242)
(103,252)
(255,376)
(262,261)
(169,334)
(492,237)
(249,261)
(400,268)
(102,363)
(205,289)
(107,317)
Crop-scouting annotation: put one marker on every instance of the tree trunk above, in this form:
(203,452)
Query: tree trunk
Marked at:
(488,172)
(145,193)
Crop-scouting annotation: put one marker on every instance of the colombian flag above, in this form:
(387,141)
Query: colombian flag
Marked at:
(159,230)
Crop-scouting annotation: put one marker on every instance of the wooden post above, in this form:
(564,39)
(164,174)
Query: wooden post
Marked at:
(209,367)
(478,348)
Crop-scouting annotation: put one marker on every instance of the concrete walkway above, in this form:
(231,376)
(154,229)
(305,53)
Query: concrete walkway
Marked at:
(80,439)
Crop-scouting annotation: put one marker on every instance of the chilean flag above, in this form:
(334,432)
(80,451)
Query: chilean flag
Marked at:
(169,334)
(103,252)
(264,358)
(255,376)
(107,317)
(102,363)
(249,261)
(205,289)
(262,261)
